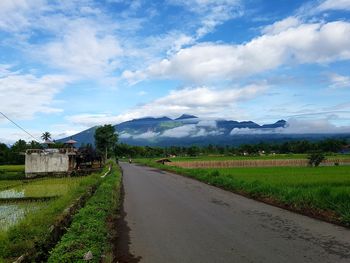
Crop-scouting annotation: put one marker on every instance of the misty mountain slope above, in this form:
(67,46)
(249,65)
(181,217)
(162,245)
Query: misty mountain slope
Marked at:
(186,130)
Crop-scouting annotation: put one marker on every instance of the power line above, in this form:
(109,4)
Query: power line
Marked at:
(18,126)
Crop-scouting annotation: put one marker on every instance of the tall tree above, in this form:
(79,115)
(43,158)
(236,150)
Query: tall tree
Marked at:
(46,136)
(105,140)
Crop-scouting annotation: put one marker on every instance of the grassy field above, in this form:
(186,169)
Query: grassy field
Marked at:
(258,157)
(27,223)
(47,186)
(12,168)
(320,191)
(11,172)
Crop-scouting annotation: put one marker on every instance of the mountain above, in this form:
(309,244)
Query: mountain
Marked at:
(188,130)
(186,116)
(185,130)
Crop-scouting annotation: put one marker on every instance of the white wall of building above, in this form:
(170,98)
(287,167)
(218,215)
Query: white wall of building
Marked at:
(46,162)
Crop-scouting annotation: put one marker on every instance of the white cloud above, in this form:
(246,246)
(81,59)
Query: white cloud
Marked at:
(84,49)
(211,12)
(207,123)
(90,120)
(146,135)
(282,25)
(240,131)
(306,43)
(23,95)
(202,101)
(180,132)
(339,81)
(334,5)
(315,125)
(15,15)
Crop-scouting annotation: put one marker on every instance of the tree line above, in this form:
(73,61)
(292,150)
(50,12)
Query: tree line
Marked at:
(106,146)
(294,147)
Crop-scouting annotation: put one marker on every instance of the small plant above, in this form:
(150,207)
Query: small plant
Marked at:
(215,173)
(316,158)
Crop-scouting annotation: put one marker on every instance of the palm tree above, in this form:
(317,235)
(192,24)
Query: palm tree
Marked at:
(46,136)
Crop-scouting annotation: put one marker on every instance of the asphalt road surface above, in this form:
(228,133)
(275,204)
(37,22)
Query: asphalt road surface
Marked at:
(169,218)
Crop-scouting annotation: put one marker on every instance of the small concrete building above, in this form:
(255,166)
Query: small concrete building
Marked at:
(56,162)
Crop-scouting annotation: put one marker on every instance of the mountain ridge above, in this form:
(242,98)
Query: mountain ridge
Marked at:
(185,129)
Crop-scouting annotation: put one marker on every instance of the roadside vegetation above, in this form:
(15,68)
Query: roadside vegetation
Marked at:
(322,192)
(28,229)
(88,234)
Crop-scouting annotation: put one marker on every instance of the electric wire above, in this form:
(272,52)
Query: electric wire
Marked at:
(18,126)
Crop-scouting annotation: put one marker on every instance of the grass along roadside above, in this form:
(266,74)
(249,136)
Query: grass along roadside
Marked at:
(31,235)
(322,192)
(89,229)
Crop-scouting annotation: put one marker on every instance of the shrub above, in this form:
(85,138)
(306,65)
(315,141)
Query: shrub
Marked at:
(316,158)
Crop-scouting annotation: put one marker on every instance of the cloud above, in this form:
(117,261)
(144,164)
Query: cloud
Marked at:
(339,81)
(315,125)
(303,44)
(180,132)
(211,13)
(90,120)
(240,131)
(15,15)
(202,101)
(24,95)
(84,49)
(282,25)
(146,135)
(334,5)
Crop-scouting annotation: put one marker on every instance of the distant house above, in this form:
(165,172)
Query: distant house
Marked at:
(50,162)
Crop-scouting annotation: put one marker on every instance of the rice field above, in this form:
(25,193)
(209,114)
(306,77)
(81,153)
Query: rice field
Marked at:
(11,172)
(10,214)
(253,157)
(14,194)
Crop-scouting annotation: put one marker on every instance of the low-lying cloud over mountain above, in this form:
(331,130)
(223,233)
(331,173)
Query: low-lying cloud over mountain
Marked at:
(189,129)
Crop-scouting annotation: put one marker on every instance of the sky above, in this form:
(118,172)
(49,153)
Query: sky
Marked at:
(67,65)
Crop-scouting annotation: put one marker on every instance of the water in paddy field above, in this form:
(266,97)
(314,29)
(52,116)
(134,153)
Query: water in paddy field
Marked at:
(12,193)
(11,214)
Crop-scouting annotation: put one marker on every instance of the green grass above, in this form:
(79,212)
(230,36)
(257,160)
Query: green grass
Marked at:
(263,157)
(48,186)
(89,229)
(11,172)
(321,189)
(32,230)
(5,184)
(12,168)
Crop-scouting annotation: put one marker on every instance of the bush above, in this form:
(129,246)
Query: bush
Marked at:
(215,173)
(316,158)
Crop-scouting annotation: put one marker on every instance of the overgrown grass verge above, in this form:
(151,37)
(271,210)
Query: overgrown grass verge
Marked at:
(89,229)
(322,192)
(34,234)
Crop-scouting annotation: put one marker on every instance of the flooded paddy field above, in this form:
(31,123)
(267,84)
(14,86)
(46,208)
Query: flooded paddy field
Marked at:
(20,198)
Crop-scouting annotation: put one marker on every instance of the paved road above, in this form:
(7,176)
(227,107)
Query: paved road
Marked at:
(170,218)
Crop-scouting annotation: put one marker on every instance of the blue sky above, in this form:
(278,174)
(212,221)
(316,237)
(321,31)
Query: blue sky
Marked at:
(68,65)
